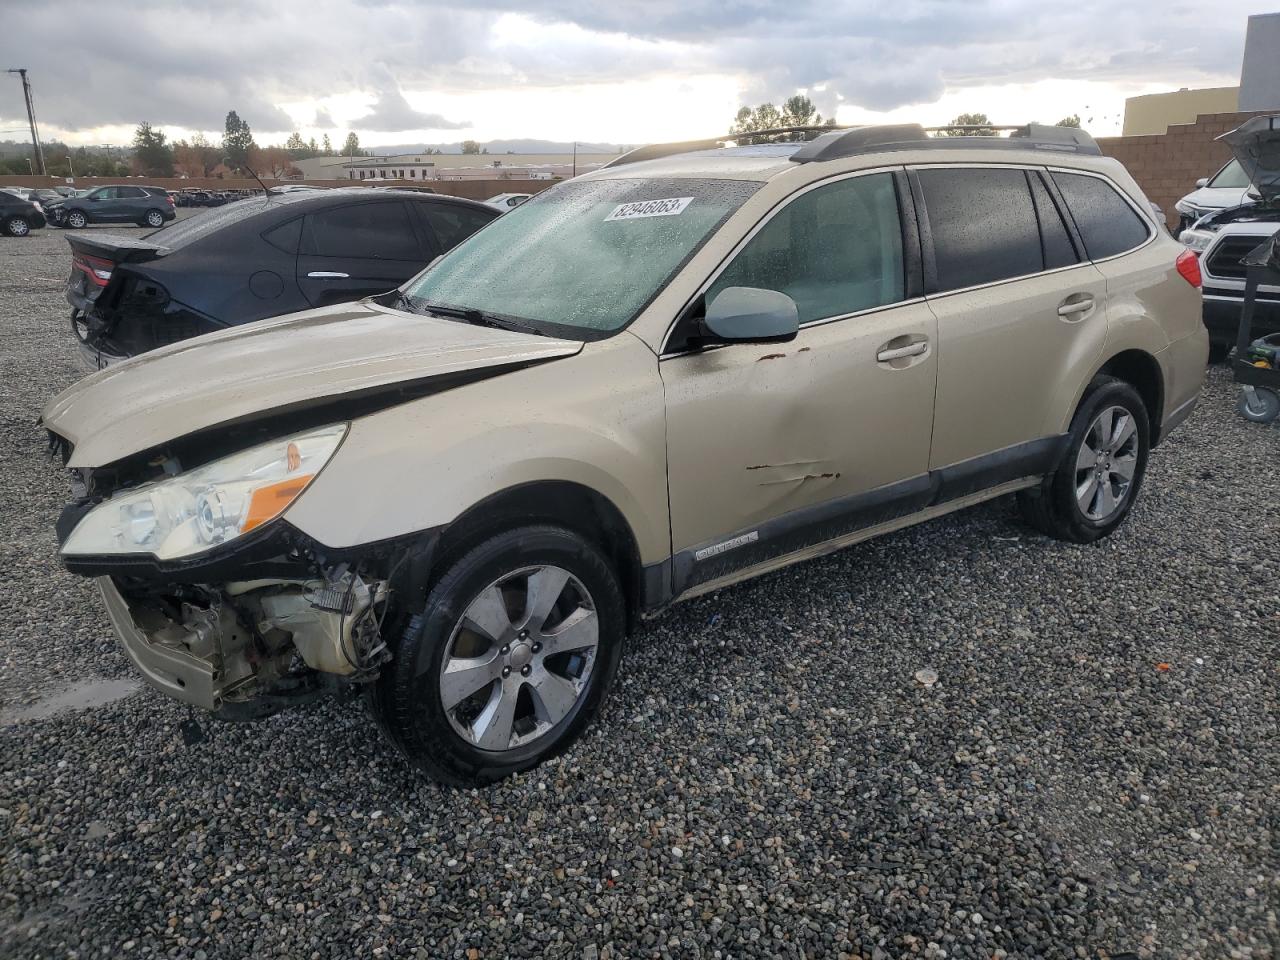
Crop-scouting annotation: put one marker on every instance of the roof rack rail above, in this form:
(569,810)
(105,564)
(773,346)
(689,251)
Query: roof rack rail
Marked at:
(836,142)
(912,136)
(656,151)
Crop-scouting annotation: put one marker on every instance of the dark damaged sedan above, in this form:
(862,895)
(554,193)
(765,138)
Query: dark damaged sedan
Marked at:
(251,260)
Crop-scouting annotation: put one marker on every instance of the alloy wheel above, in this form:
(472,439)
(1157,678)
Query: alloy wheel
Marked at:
(155,219)
(1106,464)
(18,227)
(519,658)
(76,219)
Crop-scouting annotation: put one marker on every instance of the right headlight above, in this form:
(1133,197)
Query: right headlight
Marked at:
(188,514)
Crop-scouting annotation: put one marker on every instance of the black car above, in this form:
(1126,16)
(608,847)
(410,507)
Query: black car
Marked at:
(123,203)
(18,217)
(257,258)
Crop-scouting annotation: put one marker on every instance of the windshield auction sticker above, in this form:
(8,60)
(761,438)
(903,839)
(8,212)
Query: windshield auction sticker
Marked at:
(670,207)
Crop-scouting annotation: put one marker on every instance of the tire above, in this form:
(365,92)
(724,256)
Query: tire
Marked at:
(1218,352)
(17,227)
(492,583)
(1082,513)
(153,219)
(1262,407)
(75,220)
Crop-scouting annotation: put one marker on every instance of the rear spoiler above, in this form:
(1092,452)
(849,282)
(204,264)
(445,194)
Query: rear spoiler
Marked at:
(116,248)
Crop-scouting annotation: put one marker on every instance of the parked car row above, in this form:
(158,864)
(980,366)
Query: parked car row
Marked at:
(660,378)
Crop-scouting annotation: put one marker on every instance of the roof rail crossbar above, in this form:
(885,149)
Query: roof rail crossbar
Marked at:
(910,136)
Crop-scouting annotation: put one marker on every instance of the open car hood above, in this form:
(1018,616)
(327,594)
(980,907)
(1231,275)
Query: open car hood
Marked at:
(1256,145)
(290,363)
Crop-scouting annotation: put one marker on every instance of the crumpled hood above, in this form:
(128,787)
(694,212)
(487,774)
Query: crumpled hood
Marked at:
(293,361)
(1256,144)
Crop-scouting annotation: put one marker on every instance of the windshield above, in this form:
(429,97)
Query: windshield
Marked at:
(583,258)
(1232,176)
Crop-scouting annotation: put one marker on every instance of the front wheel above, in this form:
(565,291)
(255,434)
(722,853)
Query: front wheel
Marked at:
(17,227)
(1095,484)
(512,658)
(76,220)
(154,218)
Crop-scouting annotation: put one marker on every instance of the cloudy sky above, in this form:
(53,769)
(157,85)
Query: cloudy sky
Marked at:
(595,70)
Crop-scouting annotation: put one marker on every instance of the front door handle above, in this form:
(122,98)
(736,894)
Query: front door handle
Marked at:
(897,353)
(1076,307)
(325,274)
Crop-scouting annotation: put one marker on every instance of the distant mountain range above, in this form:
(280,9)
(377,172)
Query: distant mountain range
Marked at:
(502,146)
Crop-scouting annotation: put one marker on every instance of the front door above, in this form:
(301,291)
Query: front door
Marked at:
(358,250)
(774,448)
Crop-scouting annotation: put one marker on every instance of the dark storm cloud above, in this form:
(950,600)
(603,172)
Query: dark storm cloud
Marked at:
(186,63)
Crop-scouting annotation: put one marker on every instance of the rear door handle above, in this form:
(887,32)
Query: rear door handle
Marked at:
(329,274)
(897,353)
(1075,304)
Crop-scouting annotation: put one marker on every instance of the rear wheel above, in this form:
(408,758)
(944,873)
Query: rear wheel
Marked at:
(154,218)
(75,219)
(1098,479)
(511,660)
(17,227)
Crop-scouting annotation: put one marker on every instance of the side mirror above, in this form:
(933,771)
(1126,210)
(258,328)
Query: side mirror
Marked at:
(1202,182)
(752,315)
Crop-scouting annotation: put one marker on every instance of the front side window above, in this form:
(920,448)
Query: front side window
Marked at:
(983,224)
(583,258)
(368,231)
(1108,225)
(453,222)
(834,250)
(103,193)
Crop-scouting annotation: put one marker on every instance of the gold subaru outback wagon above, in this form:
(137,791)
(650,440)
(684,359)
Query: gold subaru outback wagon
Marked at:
(697,365)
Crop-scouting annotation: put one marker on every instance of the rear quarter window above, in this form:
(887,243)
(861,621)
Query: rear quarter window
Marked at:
(1108,225)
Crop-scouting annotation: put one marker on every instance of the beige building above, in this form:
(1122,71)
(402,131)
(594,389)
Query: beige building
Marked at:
(452,166)
(1153,114)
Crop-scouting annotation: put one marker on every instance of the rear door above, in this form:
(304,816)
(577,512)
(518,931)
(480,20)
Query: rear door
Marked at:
(131,203)
(1020,311)
(358,249)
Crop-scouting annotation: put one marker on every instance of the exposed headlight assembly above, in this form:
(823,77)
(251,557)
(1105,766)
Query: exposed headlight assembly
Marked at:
(188,514)
(1196,240)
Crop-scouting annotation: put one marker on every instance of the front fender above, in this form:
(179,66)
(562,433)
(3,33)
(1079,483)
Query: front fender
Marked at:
(594,419)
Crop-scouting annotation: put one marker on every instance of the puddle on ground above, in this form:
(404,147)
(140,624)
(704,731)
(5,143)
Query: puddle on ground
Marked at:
(84,695)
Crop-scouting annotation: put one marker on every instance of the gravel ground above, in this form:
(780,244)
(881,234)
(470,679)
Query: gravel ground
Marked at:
(1095,773)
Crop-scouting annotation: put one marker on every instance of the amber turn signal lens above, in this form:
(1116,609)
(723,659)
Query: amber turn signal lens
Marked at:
(269,501)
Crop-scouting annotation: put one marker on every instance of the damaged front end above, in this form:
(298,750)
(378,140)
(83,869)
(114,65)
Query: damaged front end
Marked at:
(216,598)
(246,649)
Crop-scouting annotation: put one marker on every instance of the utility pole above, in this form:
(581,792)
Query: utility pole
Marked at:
(36,150)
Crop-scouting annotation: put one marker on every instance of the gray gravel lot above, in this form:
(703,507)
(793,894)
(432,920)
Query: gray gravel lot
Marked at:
(768,779)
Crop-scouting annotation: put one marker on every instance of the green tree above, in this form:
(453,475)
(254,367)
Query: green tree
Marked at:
(797,111)
(1071,121)
(351,148)
(155,158)
(470,146)
(978,120)
(237,140)
(326,147)
(296,146)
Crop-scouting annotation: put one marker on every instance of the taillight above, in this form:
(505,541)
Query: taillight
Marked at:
(1188,265)
(96,269)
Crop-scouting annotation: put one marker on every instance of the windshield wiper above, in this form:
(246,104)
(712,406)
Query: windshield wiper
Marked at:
(479,318)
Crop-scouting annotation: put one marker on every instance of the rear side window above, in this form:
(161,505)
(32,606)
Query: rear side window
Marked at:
(453,222)
(834,250)
(367,231)
(983,223)
(1107,223)
(130,193)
